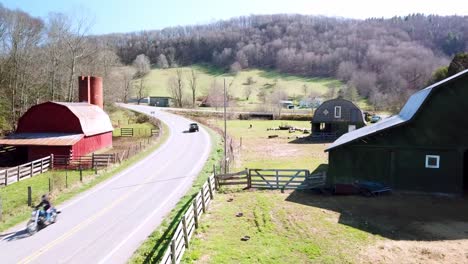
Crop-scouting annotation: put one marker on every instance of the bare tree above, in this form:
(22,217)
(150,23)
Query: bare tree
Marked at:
(176,86)
(142,65)
(192,80)
(215,97)
(248,91)
(275,100)
(162,62)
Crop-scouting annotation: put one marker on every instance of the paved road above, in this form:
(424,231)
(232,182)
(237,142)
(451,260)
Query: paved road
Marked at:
(107,223)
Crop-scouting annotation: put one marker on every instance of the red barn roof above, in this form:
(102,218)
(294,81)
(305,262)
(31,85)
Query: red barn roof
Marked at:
(68,118)
(92,118)
(40,139)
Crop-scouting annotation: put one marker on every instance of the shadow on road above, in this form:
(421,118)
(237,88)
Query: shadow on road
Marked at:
(15,235)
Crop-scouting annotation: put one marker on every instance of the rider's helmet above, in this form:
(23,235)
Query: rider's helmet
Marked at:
(44,197)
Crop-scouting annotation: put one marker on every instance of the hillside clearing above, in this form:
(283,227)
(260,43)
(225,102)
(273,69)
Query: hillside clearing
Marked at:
(156,82)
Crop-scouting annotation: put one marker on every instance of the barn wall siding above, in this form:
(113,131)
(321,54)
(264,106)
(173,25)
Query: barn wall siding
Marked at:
(396,156)
(92,143)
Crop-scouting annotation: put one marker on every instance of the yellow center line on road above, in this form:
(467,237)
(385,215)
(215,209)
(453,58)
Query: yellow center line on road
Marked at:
(84,224)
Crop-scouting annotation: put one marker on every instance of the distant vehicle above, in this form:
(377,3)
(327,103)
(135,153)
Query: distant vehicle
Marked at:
(375,119)
(193,127)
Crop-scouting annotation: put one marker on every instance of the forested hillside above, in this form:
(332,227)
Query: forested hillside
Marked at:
(385,59)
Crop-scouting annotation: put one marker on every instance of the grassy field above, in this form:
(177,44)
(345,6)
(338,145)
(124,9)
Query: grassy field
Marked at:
(157,82)
(280,231)
(122,118)
(258,151)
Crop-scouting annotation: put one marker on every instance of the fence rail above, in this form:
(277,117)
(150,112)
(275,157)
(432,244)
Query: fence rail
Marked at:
(189,223)
(84,162)
(273,179)
(24,171)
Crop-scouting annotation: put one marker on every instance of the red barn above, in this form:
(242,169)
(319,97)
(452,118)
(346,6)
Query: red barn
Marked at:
(72,129)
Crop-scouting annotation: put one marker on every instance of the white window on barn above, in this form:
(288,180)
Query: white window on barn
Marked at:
(432,161)
(337,111)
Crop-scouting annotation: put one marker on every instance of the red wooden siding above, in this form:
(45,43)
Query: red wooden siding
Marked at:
(93,143)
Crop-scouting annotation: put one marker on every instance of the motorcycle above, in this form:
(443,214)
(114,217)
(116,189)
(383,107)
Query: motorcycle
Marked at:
(38,220)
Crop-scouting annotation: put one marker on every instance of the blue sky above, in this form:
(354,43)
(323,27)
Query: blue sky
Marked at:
(125,16)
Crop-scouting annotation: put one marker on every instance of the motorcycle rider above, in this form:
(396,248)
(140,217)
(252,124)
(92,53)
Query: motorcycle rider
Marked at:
(47,207)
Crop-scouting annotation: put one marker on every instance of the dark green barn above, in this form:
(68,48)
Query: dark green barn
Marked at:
(424,148)
(160,101)
(337,117)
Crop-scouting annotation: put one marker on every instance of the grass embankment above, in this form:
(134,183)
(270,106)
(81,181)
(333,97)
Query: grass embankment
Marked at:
(14,197)
(124,118)
(153,248)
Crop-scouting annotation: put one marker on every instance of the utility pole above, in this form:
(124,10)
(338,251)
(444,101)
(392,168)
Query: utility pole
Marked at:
(225,130)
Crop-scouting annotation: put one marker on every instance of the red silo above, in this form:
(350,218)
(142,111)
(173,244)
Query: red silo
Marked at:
(83,89)
(90,90)
(96,93)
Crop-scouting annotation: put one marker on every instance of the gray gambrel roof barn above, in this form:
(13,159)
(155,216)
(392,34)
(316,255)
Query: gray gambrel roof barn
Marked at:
(336,116)
(423,148)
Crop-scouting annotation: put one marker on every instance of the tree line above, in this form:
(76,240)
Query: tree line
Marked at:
(41,59)
(384,59)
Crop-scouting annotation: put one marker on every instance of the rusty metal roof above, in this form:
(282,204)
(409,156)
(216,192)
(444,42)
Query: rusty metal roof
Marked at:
(92,118)
(41,139)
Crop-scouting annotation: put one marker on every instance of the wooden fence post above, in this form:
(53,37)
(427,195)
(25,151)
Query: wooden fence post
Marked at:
(42,165)
(92,160)
(184,229)
(209,188)
(51,161)
(173,251)
(32,168)
(50,186)
(203,201)
(29,196)
(195,212)
(249,178)
(6,177)
(18,175)
(81,174)
(215,178)
(277,180)
(66,177)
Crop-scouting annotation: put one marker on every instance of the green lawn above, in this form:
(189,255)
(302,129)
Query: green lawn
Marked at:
(282,227)
(258,151)
(157,83)
(123,118)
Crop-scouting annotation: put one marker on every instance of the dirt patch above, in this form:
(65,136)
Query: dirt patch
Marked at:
(389,251)
(413,228)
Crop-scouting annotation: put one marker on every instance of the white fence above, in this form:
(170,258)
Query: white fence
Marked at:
(189,223)
(24,171)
